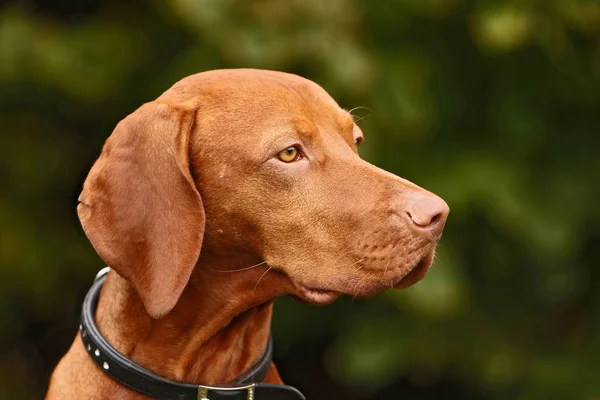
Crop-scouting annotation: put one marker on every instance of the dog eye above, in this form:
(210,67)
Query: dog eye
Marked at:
(289,155)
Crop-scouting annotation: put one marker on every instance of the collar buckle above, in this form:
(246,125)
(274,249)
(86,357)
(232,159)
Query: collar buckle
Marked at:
(203,390)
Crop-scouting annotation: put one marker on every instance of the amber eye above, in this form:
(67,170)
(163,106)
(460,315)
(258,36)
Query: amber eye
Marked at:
(289,155)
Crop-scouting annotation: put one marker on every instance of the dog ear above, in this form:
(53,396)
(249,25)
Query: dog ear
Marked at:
(140,207)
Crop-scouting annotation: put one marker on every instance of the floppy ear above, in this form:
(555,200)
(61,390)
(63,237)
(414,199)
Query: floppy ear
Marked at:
(140,207)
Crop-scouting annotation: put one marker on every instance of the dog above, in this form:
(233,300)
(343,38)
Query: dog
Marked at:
(232,188)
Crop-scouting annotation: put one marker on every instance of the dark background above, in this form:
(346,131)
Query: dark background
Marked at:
(494,105)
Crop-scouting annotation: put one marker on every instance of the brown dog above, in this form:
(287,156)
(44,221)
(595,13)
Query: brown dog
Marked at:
(227,170)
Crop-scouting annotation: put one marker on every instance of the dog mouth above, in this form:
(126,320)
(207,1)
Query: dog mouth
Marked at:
(311,295)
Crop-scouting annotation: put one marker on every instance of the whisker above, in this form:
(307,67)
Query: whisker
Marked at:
(241,269)
(343,253)
(386,267)
(357,119)
(358,108)
(264,273)
(359,268)
(219,216)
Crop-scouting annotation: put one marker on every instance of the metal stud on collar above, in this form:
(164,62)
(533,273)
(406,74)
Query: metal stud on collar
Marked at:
(101,273)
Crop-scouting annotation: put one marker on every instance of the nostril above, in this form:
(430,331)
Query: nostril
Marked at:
(424,221)
(429,212)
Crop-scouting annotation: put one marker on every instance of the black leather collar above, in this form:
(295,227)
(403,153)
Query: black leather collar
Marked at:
(139,379)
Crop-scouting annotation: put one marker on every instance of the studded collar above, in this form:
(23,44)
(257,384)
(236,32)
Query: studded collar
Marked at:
(247,386)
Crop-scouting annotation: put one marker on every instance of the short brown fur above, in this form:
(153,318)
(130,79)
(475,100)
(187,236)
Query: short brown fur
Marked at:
(188,193)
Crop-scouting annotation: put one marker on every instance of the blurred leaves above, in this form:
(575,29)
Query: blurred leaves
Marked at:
(502,27)
(89,62)
(492,105)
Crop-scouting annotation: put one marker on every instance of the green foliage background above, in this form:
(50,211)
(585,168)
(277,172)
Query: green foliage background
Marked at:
(494,105)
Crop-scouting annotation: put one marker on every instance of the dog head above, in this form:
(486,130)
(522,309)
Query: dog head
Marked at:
(257,166)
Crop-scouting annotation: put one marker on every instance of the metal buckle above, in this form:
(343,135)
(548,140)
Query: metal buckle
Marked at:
(101,273)
(203,390)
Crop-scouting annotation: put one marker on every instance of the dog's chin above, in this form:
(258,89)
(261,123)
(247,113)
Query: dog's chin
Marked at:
(315,296)
(416,274)
(321,296)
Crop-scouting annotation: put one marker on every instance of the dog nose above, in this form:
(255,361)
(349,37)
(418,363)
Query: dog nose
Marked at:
(430,213)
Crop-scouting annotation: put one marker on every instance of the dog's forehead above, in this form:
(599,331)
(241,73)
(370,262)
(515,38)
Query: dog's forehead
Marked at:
(257,96)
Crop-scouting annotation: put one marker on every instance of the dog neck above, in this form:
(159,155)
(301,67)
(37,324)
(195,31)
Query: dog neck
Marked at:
(218,328)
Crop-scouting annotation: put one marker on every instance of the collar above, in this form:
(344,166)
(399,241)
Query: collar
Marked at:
(139,379)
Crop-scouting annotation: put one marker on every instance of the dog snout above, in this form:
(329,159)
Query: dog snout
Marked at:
(429,213)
